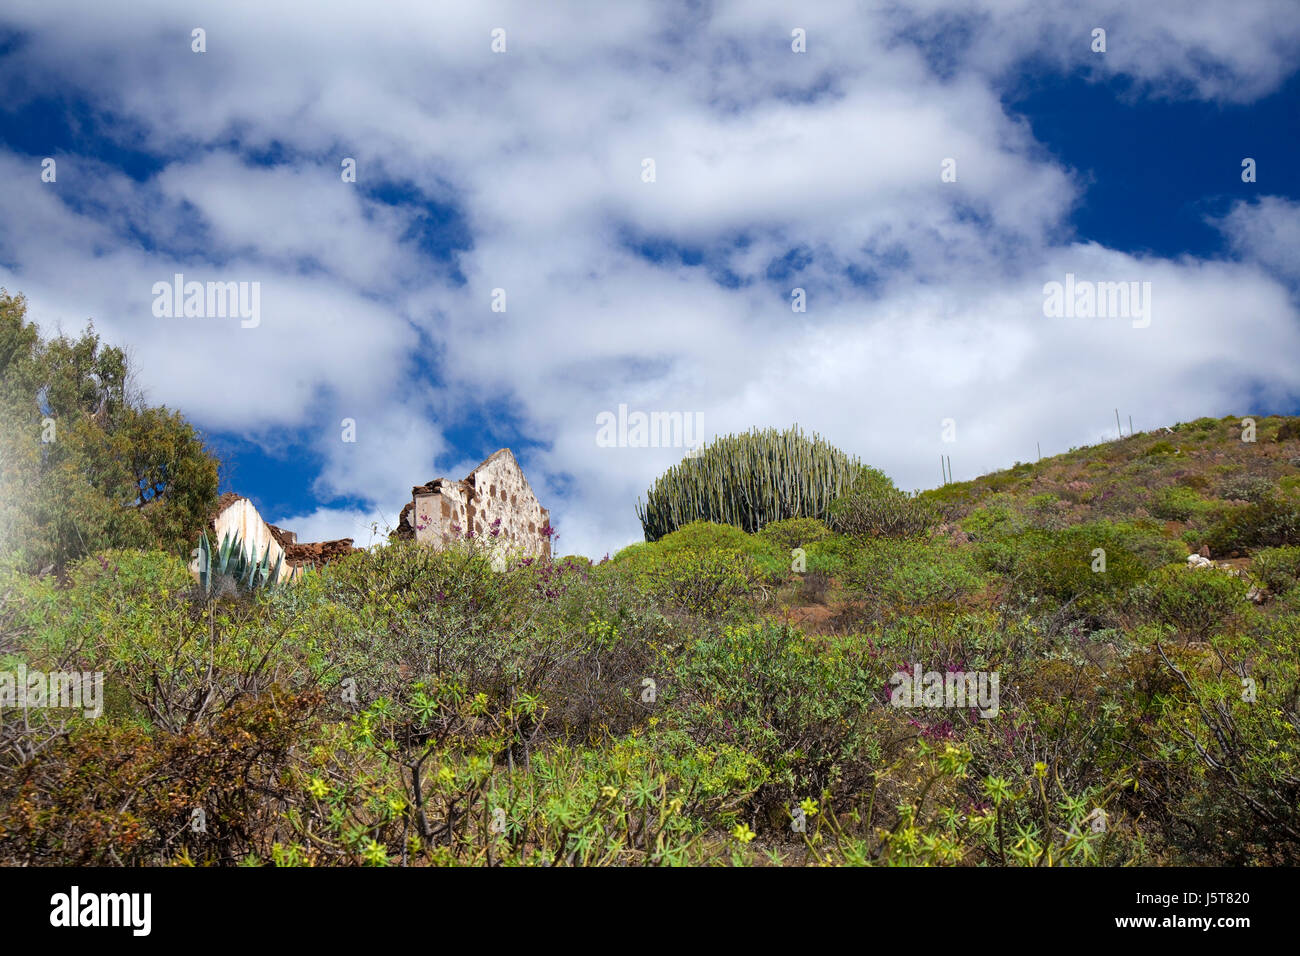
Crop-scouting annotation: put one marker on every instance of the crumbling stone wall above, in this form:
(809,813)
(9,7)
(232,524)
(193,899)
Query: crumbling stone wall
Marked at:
(494,501)
(236,516)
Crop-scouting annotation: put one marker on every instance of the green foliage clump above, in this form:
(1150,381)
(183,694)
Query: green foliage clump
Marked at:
(1271,523)
(1193,601)
(1178,503)
(795,703)
(904,573)
(1160,449)
(1278,569)
(85,465)
(795,533)
(996,519)
(831,556)
(885,513)
(711,583)
(1289,430)
(1246,487)
(1088,561)
(701,536)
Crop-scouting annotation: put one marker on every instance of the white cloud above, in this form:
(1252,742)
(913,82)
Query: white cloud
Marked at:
(1267,232)
(365,528)
(758,152)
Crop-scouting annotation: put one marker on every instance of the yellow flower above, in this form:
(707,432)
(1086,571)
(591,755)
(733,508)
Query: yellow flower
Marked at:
(743,833)
(374,853)
(609,792)
(675,805)
(318,788)
(809,806)
(1040,769)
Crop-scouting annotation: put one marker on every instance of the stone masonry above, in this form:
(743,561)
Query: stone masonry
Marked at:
(494,502)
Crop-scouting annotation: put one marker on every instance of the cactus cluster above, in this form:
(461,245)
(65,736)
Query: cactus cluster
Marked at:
(749,480)
(233,562)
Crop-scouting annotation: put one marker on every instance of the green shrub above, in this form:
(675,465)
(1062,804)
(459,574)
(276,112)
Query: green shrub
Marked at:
(1048,511)
(831,555)
(889,514)
(1270,523)
(1289,430)
(1178,503)
(1194,601)
(796,703)
(794,533)
(1245,487)
(994,520)
(1067,565)
(700,536)
(1278,569)
(1147,541)
(906,573)
(711,583)
(1160,449)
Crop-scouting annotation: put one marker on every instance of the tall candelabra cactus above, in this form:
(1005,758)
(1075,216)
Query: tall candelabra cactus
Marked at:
(750,480)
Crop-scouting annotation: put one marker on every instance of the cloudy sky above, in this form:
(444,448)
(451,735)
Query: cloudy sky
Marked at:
(524,170)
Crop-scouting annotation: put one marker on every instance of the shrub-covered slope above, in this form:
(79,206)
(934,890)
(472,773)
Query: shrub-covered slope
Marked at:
(713,697)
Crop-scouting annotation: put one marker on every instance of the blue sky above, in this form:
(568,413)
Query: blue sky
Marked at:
(522,171)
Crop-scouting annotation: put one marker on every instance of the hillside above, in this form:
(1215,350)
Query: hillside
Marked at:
(1189,476)
(1024,669)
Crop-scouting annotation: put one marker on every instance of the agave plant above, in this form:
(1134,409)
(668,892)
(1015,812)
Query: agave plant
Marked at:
(232,561)
(750,480)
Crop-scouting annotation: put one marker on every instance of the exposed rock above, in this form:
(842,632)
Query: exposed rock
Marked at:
(405,530)
(285,538)
(318,552)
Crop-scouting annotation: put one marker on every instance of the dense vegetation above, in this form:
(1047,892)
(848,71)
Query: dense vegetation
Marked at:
(714,696)
(85,463)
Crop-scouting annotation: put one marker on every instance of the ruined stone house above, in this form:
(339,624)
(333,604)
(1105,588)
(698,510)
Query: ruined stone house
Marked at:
(494,502)
(237,517)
